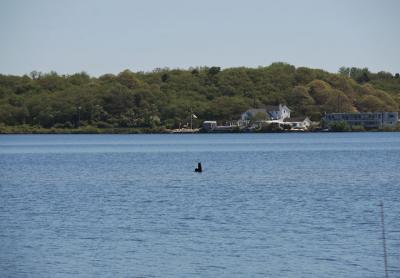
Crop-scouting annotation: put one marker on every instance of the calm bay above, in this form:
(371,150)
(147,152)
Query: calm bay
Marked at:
(266,205)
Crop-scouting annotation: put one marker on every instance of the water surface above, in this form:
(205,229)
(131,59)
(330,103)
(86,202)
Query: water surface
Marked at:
(266,205)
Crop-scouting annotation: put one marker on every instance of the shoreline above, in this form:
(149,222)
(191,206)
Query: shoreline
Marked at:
(88,130)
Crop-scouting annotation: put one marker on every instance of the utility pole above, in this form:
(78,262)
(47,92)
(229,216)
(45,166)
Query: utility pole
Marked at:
(384,240)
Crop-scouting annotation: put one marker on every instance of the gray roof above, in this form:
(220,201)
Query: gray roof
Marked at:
(267,109)
(296,119)
(272,108)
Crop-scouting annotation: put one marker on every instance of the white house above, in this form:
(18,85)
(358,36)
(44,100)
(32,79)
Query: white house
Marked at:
(278,112)
(275,112)
(298,123)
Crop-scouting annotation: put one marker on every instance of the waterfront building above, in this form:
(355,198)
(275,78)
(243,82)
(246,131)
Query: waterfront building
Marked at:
(273,112)
(212,126)
(366,120)
(299,123)
(209,125)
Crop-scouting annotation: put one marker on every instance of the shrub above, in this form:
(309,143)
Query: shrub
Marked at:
(339,127)
(104,125)
(357,128)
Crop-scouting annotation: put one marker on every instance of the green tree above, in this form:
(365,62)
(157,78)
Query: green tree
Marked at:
(164,97)
(339,127)
(128,79)
(371,103)
(214,70)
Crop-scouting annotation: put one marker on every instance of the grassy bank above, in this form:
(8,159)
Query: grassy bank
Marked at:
(26,129)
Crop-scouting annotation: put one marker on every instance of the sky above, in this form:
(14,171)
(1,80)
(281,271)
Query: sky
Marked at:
(99,36)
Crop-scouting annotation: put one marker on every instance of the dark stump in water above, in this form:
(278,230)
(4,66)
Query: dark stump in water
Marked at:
(199,169)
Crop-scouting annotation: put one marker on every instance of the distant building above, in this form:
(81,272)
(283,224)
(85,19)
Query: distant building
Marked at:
(278,112)
(212,126)
(274,112)
(299,123)
(367,120)
(209,125)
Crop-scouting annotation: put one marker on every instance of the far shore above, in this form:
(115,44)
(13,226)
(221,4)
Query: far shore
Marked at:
(94,130)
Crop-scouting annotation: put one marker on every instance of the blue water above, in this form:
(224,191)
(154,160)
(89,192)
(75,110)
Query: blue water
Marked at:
(266,205)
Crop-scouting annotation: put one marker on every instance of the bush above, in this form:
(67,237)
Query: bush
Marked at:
(273,127)
(339,127)
(87,130)
(61,125)
(389,128)
(357,128)
(104,125)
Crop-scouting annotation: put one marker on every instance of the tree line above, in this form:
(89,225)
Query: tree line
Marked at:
(163,98)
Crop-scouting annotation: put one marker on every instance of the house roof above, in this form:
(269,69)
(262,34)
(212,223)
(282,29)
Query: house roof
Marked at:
(266,109)
(276,107)
(296,119)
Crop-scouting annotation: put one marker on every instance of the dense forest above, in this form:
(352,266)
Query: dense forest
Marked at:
(162,99)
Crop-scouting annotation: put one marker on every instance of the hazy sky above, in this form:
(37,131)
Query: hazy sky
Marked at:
(99,36)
